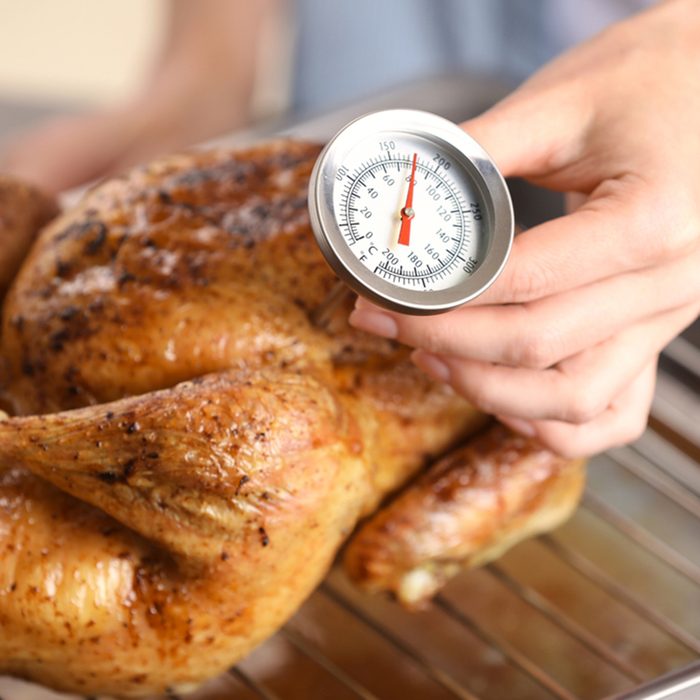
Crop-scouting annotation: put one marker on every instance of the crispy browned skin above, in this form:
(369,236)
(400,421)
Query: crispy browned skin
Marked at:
(236,489)
(229,496)
(155,531)
(464,511)
(23,211)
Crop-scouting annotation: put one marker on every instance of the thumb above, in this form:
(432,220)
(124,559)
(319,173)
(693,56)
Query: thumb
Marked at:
(531,133)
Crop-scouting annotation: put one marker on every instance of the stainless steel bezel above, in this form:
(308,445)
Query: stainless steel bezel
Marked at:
(470,156)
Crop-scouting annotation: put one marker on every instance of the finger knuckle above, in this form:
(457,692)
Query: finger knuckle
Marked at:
(569,450)
(662,243)
(562,443)
(634,427)
(477,392)
(482,400)
(532,353)
(436,334)
(531,281)
(538,349)
(583,406)
(657,239)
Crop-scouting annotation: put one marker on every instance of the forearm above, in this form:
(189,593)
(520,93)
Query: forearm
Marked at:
(208,63)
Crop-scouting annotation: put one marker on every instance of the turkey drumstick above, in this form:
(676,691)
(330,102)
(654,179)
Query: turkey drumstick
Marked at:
(242,485)
(466,510)
(203,467)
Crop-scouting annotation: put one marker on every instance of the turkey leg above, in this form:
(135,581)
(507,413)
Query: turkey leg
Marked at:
(466,510)
(212,461)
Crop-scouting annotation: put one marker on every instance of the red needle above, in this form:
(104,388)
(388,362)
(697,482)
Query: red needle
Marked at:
(407,212)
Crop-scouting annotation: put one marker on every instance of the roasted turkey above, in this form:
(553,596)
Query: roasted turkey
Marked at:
(184,451)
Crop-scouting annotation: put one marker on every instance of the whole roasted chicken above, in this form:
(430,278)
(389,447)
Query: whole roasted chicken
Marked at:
(184,451)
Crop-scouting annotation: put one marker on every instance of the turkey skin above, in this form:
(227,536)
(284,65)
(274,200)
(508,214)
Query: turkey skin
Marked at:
(185,452)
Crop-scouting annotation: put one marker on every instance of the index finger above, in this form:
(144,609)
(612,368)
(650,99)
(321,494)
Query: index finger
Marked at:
(603,238)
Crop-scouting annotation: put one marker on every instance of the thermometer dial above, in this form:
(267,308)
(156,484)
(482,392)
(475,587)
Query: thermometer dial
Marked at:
(410,211)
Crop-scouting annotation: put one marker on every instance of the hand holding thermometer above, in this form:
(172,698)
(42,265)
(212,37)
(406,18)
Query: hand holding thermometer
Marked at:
(410,211)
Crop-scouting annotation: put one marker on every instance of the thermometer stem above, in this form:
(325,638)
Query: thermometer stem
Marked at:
(407,212)
(322,315)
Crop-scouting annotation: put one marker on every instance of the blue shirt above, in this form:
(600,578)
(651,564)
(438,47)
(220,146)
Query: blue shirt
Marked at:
(348,49)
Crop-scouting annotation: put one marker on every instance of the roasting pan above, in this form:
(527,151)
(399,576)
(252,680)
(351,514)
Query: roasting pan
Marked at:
(605,607)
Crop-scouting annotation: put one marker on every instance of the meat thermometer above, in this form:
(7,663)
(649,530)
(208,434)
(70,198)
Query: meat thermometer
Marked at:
(410,211)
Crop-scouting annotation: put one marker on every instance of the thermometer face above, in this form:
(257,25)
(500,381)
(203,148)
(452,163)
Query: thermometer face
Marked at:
(410,211)
(443,235)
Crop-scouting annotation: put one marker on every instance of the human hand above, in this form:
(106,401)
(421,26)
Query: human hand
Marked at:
(185,106)
(67,151)
(564,345)
(200,87)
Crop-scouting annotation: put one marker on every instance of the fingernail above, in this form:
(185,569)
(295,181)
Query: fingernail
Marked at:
(362,303)
(374,322)
(518,425)
(432,365)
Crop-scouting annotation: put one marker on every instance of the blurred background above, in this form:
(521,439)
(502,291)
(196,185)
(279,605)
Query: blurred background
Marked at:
(76,53)
(57,56)
(69,56)
(166,73)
